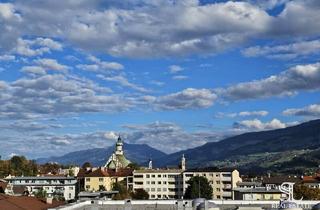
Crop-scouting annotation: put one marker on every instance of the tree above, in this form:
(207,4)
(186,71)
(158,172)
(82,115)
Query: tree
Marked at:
(197,183)
(140,194)
(102,188)
(40,193)
(122,189)
(87,165)
(134,166)
(307,193)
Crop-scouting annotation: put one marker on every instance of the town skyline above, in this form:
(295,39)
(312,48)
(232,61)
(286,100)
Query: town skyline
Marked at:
(170,74)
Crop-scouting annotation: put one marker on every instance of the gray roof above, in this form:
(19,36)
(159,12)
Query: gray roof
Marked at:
(257,190)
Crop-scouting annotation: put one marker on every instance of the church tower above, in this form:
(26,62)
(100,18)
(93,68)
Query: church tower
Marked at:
(183,163)
(119,146)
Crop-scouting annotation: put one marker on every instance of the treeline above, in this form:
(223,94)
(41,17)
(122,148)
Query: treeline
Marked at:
(21,166)
(18,166)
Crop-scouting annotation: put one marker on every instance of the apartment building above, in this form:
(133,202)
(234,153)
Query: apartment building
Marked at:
(159,183)
(222,182)
(52,185)
(98,179)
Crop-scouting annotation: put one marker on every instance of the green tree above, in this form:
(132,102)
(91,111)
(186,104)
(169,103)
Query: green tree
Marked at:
(134,166)
(40,193)
(196,184)
(307,193)
(87,165)
(102,188)
(122,189)
(140,194)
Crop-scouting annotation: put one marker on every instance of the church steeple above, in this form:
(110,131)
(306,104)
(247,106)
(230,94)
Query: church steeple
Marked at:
(183,162)
(119,146)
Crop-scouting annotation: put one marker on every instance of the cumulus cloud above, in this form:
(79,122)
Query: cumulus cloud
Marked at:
(256,124)
(260,113)
(175,69)
(288,51)
(189,98)
(167,137)
(38,46)
(51,64)
(100,66)
(297,78)
(180,77)
(7,57)
(312,110)
(55,95)
(144,29)
(123,82)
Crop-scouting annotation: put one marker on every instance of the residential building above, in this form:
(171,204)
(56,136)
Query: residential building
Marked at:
(159,183)
(274,182)
(222,181)
(53,185)
(311,181)
(257,193)
(97,179)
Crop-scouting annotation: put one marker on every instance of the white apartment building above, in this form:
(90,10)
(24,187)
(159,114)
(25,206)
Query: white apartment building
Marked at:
(222,182)
(159,183)
(53,185)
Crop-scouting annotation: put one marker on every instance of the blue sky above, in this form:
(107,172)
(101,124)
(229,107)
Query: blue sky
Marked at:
(172,74)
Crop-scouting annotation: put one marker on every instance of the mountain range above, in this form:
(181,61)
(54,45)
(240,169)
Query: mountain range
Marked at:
(290,150)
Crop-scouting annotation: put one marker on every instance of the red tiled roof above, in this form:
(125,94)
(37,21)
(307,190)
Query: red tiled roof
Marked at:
(24,202)
(311,179)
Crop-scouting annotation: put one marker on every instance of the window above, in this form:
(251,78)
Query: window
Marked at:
(159,196)
(164,175)
(158,189)
(148,189)
(159,182)
(70,188)
(153,189)
(164,189)
(148,175)
(87,179)
(218,182)
(153,196)
(153,182)
(148,182)
(153,176)
(218,189)
(164,182)
(159,175)
(69,195)
(87,186)
(100,179)
(138,176)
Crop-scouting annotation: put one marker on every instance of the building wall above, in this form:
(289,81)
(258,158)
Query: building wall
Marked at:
(53,186)
(159,184)
(93,183)
(222,183)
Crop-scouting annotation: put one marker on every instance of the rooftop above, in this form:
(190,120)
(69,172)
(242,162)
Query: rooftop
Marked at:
(24,202)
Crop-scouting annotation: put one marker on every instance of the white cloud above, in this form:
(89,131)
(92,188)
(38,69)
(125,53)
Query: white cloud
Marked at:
(256,124)
(297,78)
(260,113)
(123,82)
(55,95)
(7,57)
(33,70)
(38,46)
(189,98)
(312,110)
(173,69)
(51,64)
(288,51)
(180,77)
